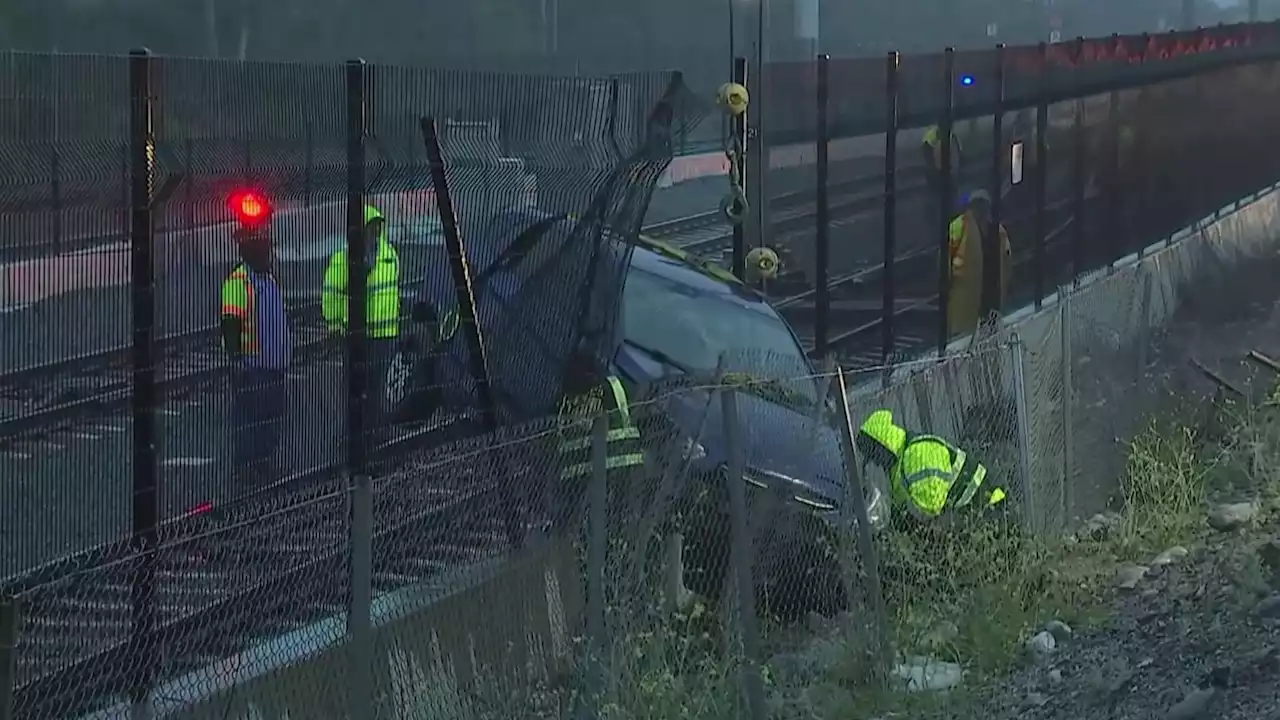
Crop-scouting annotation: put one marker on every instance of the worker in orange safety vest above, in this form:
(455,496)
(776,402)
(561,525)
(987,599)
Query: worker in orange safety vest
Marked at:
(965,234)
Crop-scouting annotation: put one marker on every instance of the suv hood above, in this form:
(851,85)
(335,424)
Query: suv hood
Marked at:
(778,440)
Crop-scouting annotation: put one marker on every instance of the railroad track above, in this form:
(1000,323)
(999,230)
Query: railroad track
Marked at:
(266,566)
(855,297)
(245,575)
(49,400)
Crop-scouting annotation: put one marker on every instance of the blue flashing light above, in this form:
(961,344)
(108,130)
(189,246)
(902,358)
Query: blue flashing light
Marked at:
(966,80)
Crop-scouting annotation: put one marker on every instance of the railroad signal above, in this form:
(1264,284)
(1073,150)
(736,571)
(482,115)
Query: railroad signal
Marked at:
(250,208)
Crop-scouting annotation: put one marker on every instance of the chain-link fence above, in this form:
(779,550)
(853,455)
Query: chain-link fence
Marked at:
(1082,151)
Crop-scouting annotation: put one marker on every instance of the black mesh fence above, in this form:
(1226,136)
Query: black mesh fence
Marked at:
(1142,136)
(64,302)
(550,178)
(247,165)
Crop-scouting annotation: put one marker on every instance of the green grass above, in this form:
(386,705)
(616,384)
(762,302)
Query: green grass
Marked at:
(991,586)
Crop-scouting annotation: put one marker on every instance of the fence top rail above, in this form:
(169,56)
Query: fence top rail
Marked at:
(1067,53)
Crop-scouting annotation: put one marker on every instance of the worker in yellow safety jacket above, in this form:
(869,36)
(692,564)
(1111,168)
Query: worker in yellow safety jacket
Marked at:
(256,336)
(588,394)
(965,234)
(382,309)
(928,476)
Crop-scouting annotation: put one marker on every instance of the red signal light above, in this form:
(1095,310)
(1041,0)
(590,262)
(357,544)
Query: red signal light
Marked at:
(250,208)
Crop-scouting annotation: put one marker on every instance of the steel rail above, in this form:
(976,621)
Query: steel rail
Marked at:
(106,399)
(214,609)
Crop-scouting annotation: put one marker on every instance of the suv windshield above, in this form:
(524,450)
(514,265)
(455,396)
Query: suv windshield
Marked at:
(693,328)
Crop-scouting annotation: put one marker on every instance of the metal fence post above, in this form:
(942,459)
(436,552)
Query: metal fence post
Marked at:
(360,486)
(740,554)
(597,499)
(308,170)
(55,191)
(945,208)
(1140,202)
(188,185)
(10,624)
(357,273)
(1042,177)
(822,247)
(1068,389)
(991,250)
(856,498)
(1077,171)
(598,530)
(889,290)
(469,323)
(1113,187)
(739,134)
(146,498)
(1032,511)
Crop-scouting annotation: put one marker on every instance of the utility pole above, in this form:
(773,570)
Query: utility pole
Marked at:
(1253,10)
(1188,14)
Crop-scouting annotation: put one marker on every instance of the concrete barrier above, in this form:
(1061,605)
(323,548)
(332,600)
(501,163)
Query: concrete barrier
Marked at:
(492,628)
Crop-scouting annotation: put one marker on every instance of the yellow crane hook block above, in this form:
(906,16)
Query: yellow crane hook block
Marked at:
(763,262)
(733,98)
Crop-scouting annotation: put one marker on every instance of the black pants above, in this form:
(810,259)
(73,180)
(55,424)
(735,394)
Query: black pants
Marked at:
(376,415)
(257,416)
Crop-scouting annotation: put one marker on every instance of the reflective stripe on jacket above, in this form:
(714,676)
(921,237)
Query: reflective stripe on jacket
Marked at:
(255,300)
(382,314)
(934,475)
(576,417)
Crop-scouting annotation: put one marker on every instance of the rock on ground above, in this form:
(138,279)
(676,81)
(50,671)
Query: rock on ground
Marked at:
(1195,639)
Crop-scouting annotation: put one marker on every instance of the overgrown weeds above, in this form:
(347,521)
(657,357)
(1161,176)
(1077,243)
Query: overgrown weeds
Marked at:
(970,593)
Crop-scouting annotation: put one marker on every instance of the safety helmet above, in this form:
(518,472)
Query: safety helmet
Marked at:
(372,213)
(978,196)
(880,429)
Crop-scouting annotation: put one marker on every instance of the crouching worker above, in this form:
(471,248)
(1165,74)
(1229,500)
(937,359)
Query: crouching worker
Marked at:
(591,392)
(928,476)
